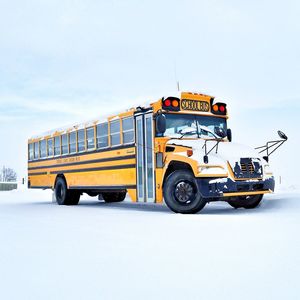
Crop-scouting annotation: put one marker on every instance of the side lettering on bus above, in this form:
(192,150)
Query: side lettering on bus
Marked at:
(194,105)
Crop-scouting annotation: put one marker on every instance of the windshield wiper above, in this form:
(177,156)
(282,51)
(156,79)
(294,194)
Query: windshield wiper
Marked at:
(204,128)
(187,132)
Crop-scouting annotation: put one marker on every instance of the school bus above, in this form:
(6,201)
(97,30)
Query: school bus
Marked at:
(177,150)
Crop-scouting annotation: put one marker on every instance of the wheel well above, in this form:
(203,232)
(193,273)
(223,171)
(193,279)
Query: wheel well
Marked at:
(60,176)
(177,165)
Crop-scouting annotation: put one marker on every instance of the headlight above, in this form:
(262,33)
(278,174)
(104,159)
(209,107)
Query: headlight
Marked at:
(268,170)
(206,170)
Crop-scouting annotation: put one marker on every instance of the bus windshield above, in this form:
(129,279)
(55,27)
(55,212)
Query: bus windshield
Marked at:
(193,126)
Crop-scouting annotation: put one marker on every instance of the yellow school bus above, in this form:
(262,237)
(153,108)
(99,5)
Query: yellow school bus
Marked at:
(177,150)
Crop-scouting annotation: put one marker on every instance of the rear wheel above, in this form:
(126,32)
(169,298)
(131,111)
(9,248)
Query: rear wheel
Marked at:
(63,195)
(181,193)
(110,197)
(247,202)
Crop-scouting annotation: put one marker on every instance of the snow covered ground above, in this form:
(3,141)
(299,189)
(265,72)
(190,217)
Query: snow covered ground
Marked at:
(144,251)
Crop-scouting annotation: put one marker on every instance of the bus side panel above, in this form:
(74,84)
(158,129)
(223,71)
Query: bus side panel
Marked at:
(108,169)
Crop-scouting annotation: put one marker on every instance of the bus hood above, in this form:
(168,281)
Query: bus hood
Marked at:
(226,151)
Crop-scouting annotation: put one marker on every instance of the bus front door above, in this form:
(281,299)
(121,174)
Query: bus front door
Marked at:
(145,158)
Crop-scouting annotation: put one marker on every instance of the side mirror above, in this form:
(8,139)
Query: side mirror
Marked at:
(161,124)
(282,135)
(229,135)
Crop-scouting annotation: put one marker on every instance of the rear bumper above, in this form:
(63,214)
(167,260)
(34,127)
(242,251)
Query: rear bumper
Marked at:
(225,187)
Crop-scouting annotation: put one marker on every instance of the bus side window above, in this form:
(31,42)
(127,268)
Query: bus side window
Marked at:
(43,149)
(128,131)
(57,145)
(115,133)
(90,138)
(50,147)
(81,141)
(72,139)
(36,150)
(102,135)
(65,144)
(30,151)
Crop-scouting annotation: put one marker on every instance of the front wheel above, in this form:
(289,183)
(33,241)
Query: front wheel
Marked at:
(247,202)
(181,193)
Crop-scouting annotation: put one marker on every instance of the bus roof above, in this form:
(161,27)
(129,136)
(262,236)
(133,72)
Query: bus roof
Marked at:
(112,116)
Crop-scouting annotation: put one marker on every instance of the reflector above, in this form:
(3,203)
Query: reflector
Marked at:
(189,152)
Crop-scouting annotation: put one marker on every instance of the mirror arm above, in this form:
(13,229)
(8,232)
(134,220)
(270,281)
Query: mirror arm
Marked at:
(267,147)
(276,148)
(205,158)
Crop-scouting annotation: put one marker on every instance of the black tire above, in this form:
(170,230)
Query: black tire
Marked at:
(63,195)
(247,202)
(181,193)
(110,197)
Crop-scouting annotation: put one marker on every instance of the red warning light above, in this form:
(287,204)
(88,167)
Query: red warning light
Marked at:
(167,102)
(222,108)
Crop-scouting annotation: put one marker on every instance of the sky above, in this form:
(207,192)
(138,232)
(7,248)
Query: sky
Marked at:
(67,61)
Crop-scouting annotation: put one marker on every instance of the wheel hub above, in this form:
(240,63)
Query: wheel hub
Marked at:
(184,192)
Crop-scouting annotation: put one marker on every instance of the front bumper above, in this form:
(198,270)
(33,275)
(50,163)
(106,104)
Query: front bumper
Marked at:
(226,187)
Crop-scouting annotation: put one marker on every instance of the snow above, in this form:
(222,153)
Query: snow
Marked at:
(144,251)
(72,127)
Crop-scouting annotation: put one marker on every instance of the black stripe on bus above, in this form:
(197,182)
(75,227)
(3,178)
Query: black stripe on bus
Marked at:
(40,187)
(94,169)
(85,162)
(102,187)
(38,173)
(83,153)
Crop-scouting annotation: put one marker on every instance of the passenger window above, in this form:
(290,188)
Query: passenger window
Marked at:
(36,150)
(81,140)
(64,144)
(90,138)
(50,147)
(102,135)
(30,151)
(43,149)
(115,133)
(72,138)
(57,145)
(128,130)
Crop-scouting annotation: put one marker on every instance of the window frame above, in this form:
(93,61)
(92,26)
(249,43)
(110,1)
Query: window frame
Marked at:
(52,140)
(69,134)
(54,146)
(67,144)
(84,137)
(110,134)
(34,151)
(40,148)
(124,131)
(31,157)
(100,136)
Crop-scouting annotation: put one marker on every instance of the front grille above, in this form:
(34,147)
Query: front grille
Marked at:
(248,168)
